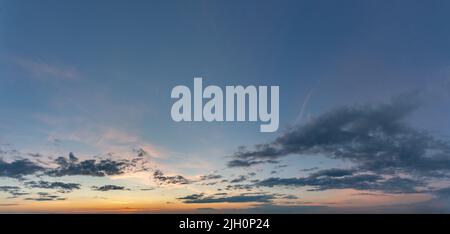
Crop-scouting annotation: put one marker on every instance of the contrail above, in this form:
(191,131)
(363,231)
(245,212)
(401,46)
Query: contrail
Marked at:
(302,110)
(305,103)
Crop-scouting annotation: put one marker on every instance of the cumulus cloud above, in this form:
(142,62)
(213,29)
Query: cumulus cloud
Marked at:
(376,139)
(159,177)
(18,168)
(374,136)
(92,167)
(61,186)
(72,166)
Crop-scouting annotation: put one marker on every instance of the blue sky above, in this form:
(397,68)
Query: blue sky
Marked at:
(94,77)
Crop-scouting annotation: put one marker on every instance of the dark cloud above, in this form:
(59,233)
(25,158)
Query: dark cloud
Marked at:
(247,187)
(375,138)
(309,169)
(14,191)
(42,196)
(247,162)
(192,197)
(159,177)
(220,194)
(210,183)
(8,188)
(108,187)
(385,152)
(346,179)
(210,177)
(239,179)
(201,198)
(140,152)
(36,155)
(147,189)
(72,166)
(334,172)
(289,197)
(18,168)
(64,187)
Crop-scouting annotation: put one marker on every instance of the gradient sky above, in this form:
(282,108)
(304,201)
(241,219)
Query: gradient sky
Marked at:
(94,78)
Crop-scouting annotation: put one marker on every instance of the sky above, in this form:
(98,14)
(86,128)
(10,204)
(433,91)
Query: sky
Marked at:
(85,123)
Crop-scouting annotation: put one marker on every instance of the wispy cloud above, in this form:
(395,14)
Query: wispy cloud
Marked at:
(44,70)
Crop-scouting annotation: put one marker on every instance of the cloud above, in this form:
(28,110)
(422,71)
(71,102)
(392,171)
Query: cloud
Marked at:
(18,168)
(289,197)
(247,162)
(63,187)
(210,177)
(373,136)
(92,167)
(334,172)
(162,179)
(109,187)
(201,198)
(14,191)
(36,155)
(71,166)
(147,189)
(309,169)
(41,69)
(9,204)
(42,196)
(8,188)
(140,152)
(346,179)
(239,179)
(247,187)
(385,152)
